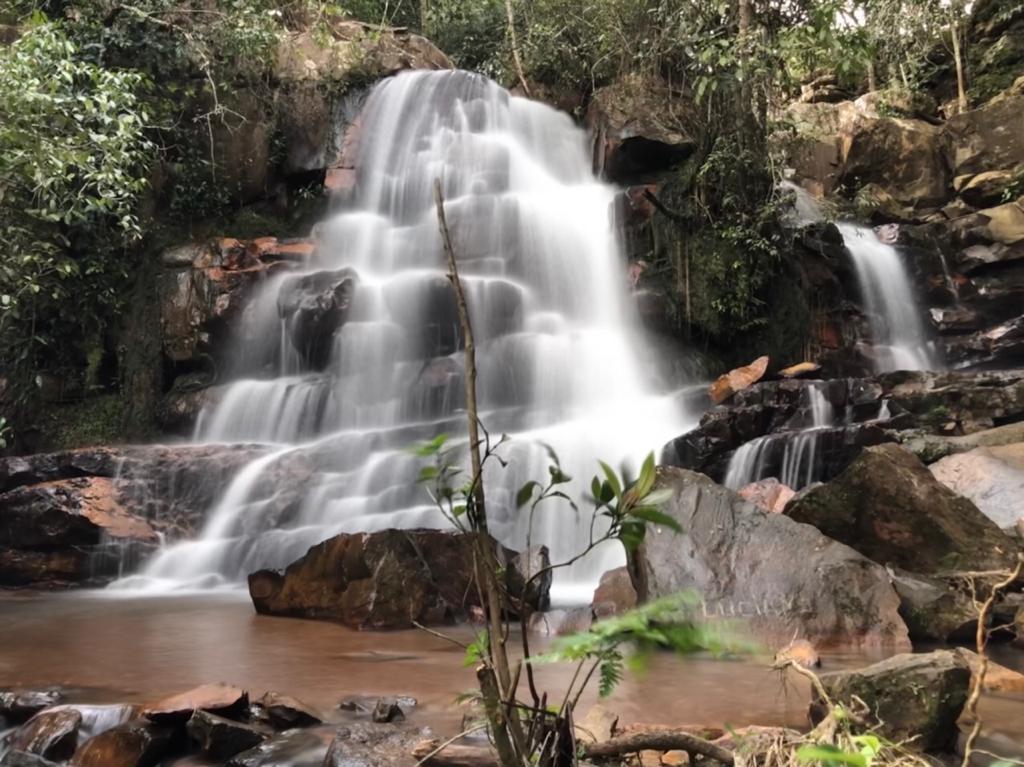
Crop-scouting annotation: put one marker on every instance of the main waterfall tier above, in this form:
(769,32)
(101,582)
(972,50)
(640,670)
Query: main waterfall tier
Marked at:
(343,365)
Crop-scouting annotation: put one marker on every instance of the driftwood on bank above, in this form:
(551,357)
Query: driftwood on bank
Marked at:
(658,740)
(430,753)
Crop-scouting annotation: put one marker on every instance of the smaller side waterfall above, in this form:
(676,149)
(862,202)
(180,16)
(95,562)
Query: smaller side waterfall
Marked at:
(792,456)
(896,326)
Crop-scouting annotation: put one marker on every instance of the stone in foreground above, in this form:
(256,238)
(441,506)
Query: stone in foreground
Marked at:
(222,738)
(782,577)
(890,508)
(385,580)
(218,698)
(917,697)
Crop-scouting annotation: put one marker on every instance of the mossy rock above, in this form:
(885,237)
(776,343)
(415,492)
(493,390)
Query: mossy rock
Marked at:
(890,508)
(915,698)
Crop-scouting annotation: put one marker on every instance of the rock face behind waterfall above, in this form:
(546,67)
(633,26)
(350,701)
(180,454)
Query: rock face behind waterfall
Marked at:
(388,580)
(888,506)
(80,517)
(781,576)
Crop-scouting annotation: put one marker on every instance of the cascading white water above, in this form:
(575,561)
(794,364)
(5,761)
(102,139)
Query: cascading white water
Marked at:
(889,300)
(546,285)
(798,465)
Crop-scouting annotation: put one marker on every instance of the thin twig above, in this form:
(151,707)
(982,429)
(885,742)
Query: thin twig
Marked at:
(448,742)
(439,635)
(981,641)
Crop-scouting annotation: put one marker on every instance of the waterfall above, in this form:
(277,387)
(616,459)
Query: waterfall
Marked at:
(344,364)
(790,456)
(891,305)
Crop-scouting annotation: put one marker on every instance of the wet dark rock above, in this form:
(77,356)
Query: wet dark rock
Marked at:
(925,403)
(222,738)
(889,507)
(933,609)
(22,759)
(614,594)
(384,580)
(52,734)
(908,696)
(133,744)
(371,744)
(528,574)
(285,712)
(218,698)
(782,577)
(365,704)
(17,705)
(295,748)
(387,711)
(313,307)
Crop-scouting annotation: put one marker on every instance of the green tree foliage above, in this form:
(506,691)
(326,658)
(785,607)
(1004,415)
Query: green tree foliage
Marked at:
(73,161)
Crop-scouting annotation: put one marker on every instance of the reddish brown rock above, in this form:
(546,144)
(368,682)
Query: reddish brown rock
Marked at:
(997,678)
(48,531)
(383,580)
(737,380)
(133,744)
(799,651)
(614,594)
(800,370)
(217,698)
(768,494)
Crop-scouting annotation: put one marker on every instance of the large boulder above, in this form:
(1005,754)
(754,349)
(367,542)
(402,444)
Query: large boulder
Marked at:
(641,129)
(907,696)
(901,157)
(991,477)
(784,578)
(889,507)
(67,531)
(384,580)
(985,139)
(80,517)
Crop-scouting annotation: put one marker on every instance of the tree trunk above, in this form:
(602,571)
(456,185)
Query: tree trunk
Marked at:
(514,43)
(961,88)
(423,17)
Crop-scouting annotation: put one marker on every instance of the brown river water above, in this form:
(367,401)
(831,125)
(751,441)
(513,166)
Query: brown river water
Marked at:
(131,649)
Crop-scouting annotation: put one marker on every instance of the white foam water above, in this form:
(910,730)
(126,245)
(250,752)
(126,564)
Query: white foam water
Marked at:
(897,328)
(799,464)
(557,345)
